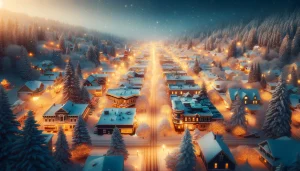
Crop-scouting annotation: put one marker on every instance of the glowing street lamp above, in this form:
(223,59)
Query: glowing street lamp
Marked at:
(137,152)
(163,146)
(35,98)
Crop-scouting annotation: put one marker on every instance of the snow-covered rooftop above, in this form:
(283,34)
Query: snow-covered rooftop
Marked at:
(212,145)
(179,77)
(123,92)
(104,163)
(242,92)
(184,87)
(73,109)
(33,85)
(117,116)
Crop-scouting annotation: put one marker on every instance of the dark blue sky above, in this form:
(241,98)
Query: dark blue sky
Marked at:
(150,19)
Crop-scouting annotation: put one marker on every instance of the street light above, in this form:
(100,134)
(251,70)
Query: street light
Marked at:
(163,146)
(137,152)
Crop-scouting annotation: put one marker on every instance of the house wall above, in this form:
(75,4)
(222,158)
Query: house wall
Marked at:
(220,163)
(121,102)
(181,92)
(108,129)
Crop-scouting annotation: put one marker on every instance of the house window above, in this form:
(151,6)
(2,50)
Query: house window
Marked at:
(71,120)
(74,120)
(193,119)
(46,120)
(245,97)
(226,166)
(221,157)
(217,86)
(61,118)
(245,101)
(254,101)
(185,119)
(216,165)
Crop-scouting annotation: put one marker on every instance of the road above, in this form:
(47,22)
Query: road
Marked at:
(150,157)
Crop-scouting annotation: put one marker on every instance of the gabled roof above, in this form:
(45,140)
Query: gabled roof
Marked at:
(123,92)
(284,149)
(212,145)
(73,109)
(33,85)
(241,92)
(104,163)
(117,116)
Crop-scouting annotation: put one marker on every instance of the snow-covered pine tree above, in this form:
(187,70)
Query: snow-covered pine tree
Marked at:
(296,164)
(251,74)
(172,159)
(62,153)
(232,49)
(61,43)
(23,65)
(90,54)
(8,130)
(251,40)
(186,158)
(69,82)
(96,57)
(294,77)
(263,82)
(81,134)
(85,95)
(76,48)
(258,73)
(196,67)
(296,43)
(203,91)
(278,116)
(238,117)
(285,50)
(76,95)
(78,71)
(117,145)
(30,150)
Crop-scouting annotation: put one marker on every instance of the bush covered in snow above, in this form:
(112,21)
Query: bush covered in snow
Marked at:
(164,127)
(143,130)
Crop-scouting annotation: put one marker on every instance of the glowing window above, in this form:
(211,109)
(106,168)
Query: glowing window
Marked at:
(246,97)
(216,165)
(245,102)
(226,166)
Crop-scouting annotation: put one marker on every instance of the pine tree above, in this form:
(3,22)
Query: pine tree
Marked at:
(251,40)
(296,43)
(278,116)
(285,49)
(85,95)
(263,82)
(69,82)
(238,117)
(117,145)
(81,134)
(1,45)
(187,158)
(76,48)
(196,67)
(62,153)
(258,72)
(61,43)
(23,65)
(232,49)
(96,57)
(296,164)
(251,74)
(76,95)
(8,130)
(30,150)
(203,92)
(294,77)
(90,54)
(78,71)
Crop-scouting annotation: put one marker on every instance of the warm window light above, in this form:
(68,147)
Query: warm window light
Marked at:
(30,54)
(35,98)
(238,43)
(216,165)
(226,166)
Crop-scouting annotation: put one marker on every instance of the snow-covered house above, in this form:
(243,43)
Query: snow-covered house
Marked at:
(283,150)
(104,163)
(135,83)
(215,153)
(179,79)
(250,97)
(31,89)
(51,78)
(44,66)
(270,87)
(191,112)
(122,118)
(96,84)
(19,109)
(64,115)
(180,89)
(209,75)
(123,97)
(219,84)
